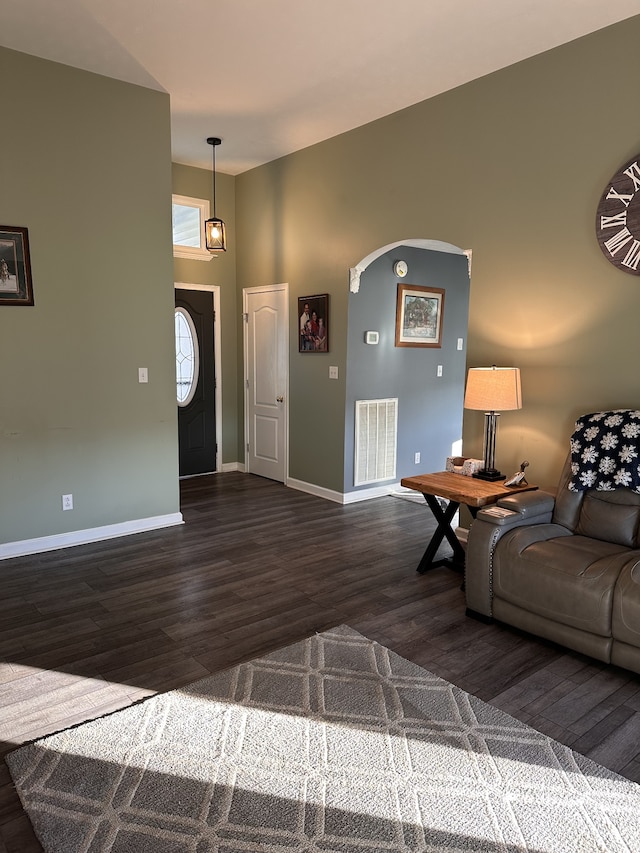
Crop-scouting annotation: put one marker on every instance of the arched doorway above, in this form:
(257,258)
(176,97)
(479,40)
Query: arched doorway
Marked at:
(426,385)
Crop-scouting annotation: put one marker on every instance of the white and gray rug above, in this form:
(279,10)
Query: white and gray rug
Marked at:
(332,744)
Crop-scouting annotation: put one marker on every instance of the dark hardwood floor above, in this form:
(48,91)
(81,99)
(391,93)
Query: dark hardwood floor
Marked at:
(88,630)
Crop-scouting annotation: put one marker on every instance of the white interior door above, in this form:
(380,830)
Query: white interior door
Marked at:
(266,380)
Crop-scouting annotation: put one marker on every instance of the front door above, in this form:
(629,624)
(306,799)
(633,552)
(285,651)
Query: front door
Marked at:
(196,383)
(267,380)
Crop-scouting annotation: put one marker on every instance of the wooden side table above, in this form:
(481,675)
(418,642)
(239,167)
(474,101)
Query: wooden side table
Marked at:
(456,489)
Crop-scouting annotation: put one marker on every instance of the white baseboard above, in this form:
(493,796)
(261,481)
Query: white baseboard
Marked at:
(232,466)
(311,489)
(83,537)
(342,497)
(226,466)
(369,494)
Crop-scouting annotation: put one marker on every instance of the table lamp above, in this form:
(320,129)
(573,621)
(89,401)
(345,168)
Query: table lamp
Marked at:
(492,390)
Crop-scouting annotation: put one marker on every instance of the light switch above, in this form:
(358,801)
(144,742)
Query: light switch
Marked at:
(143,374)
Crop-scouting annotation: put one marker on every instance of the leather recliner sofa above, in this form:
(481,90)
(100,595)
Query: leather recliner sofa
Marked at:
(566,568)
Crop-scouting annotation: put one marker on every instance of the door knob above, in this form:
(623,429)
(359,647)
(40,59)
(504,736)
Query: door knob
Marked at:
(279,399)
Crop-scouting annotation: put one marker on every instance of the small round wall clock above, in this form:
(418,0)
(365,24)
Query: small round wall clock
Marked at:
(618,218)
(400,268)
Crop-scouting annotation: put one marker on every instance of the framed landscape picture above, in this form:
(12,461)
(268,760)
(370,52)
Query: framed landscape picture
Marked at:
(15,266)
(419,313)
(313,323)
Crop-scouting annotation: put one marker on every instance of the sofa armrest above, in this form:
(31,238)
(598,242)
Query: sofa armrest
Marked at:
(532,507)
(489,526)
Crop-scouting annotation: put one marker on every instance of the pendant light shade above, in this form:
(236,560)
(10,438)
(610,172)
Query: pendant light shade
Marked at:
(214,229)
(215,235)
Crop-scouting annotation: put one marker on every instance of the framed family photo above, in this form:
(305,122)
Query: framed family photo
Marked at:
(15,266)
(313,323)
(419,313)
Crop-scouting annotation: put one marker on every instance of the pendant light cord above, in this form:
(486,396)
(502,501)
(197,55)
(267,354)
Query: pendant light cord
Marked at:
(214,180)
(213,141)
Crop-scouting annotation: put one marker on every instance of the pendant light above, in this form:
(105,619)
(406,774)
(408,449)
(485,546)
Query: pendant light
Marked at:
(214,229)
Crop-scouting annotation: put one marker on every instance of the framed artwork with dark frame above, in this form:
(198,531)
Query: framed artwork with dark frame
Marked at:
(313,323)
(15,266)
(419,313)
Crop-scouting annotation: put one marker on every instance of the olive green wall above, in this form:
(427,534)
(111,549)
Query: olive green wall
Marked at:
(511,166)
(86,167)
(220,271)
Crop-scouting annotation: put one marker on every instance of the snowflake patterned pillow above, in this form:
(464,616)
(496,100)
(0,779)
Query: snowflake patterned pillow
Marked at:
(605,451)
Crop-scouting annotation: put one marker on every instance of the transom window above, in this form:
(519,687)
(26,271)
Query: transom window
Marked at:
(188,216)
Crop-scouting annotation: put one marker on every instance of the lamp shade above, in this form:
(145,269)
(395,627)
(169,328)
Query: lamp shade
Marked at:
(493,389)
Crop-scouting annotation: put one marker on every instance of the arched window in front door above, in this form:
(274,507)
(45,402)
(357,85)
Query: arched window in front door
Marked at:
(187,357)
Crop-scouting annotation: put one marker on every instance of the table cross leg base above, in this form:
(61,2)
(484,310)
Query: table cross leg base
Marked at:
(443,517)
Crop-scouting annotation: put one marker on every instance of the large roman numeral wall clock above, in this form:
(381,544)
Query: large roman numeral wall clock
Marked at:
(618,218)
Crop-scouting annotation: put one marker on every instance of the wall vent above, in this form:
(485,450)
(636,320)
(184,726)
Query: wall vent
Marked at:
(376,440)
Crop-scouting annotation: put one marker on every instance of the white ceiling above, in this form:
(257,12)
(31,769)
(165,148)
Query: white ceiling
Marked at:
(272,76)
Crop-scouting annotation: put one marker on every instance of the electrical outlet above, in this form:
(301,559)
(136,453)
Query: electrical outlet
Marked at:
(67,502)
(333,372)
(416,457)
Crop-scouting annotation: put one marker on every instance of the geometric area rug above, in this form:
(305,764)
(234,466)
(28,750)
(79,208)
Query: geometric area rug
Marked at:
(334,743)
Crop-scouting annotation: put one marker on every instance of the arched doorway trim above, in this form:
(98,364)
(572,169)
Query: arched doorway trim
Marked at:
(418,243)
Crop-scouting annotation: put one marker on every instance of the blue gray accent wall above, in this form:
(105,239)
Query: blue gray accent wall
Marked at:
(429,407)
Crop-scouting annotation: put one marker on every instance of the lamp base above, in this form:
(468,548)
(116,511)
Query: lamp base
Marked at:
(489,474)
